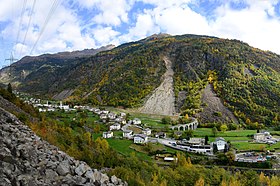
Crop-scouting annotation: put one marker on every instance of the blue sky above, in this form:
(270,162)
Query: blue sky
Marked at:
(80,24)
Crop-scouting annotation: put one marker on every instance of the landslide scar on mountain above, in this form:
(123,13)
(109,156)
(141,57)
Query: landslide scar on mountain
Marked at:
(162,100)
(214,106)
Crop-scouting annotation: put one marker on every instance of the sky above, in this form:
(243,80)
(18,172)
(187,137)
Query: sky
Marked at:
(34,27)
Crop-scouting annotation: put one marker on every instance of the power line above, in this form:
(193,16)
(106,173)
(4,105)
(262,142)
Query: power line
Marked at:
(21,17)
(11,59)
(53,8)
(29,21)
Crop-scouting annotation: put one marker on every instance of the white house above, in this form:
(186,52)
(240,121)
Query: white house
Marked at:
(122,114)
(136,121)
(140,138)
(97,111)
(120,120)
(196,141)
(112,116)
(104,112)
(170,159)
(50,109)
(264,137)
(42,110)
(63,107)
(116,126)
(147,131)
(127,134)
(203,149)
(108,134)
(221,143)
(103,116)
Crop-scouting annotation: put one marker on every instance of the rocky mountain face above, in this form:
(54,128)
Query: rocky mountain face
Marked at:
(245,80)
(25,159)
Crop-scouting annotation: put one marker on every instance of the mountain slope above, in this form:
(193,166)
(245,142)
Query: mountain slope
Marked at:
(46,66)
(246,79)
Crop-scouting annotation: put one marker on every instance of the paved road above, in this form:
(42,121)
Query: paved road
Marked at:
(168,143)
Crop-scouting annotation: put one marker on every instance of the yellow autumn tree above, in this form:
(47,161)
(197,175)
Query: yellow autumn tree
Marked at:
(264,180)
(182,161)
(223,183)
(275,181)
(200,182)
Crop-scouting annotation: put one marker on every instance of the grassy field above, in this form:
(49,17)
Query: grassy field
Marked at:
(123,147)
(151,121)
(248,146)
(201,132)
(255,146)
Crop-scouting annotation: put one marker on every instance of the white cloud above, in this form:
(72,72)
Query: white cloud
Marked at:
(111,13)
(145,26)
(178,20)
(63,31)
(256,25)
(8,12)
(104,35)
(165,3)
(70,29)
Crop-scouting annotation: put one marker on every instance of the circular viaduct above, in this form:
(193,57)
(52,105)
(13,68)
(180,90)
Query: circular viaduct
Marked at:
(189,126)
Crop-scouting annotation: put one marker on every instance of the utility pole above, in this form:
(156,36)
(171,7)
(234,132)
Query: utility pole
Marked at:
(11,59)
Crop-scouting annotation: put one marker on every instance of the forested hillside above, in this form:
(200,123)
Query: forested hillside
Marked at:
(245,79)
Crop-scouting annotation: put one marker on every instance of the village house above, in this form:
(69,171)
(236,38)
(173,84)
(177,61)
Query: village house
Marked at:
(103,116)
(97,111)
(120,120)
(136,121)
(106,112)
(79,107)
(128,134)
(61,106)
(116,126)
(170,159)
(264,137)
(42,110)
(123,115)
(50,109)
(112,116)
(108,134)
(220,143)
(147,131)
(196,141)
(140,138)
(202,149)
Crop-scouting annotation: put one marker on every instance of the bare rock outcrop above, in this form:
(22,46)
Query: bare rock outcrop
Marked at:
(25,159)
(162,100)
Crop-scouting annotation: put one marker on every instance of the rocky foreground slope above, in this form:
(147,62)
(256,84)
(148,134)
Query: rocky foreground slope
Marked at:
(25,159)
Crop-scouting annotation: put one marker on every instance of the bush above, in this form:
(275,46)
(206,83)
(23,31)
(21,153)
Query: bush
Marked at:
(22,117)
(219,114)
(166,120)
